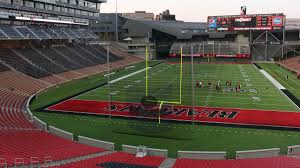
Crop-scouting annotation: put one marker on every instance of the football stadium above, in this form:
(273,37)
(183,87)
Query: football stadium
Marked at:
(80,88)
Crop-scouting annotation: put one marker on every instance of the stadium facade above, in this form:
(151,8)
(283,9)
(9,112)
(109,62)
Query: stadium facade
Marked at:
(263,45)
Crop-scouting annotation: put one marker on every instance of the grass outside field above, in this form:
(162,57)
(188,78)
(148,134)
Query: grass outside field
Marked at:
(279,73)
(204,138)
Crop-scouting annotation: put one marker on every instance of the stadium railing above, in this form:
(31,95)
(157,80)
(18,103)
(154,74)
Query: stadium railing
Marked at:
(96,143)
(201,155)
(293,150)
(262,153)
(42,125)
(61,133)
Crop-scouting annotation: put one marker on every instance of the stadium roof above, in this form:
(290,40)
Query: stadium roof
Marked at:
(97,1)
(179,29)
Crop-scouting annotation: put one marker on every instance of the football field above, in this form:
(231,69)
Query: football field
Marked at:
(256,92)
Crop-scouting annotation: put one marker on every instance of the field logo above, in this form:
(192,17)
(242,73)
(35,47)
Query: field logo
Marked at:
(277,21)
(212,23)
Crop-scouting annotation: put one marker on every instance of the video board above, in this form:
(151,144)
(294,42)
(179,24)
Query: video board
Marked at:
(265,22)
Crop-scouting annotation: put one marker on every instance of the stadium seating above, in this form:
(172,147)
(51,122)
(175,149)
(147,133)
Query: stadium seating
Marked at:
(60,32)
(51,33)
(11,32)
(12,107)
(59,58)
(14,60)
(278,162)
(117,160)
(55,64)
(33,143)
(26,32)
(25,71)
(292,64)
(3,68)
(3,36)
(38,32)
(89,56)
(40,61)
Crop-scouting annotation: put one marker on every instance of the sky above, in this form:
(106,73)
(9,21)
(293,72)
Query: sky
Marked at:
(198,10)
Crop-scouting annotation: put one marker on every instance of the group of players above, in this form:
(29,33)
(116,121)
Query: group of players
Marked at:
(218,86)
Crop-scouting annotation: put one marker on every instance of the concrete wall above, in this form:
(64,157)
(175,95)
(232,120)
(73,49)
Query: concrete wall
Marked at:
(61,133)
(258,153)
(151,151)
(201,155)
(28,111)
(96,143)
(293,150)
(40,123)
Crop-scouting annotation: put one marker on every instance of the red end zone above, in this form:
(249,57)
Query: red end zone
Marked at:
(184,113)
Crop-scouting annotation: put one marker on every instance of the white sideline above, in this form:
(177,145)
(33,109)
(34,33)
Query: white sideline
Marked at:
(274,81)
(127,76)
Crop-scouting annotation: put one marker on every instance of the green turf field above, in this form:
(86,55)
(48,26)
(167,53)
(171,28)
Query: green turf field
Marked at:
(279,73)
(164,85)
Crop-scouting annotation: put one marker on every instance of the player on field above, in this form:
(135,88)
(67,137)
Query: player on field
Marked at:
(201,84)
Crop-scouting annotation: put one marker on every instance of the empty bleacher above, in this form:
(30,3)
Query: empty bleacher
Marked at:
(12,59)
(26,32)
(117,160)
(60,32)
(278,162)
(3,68)
(293,64)
(39,144)
(51,33)
(25,71)
(39,32)
(40,61)
(88,55)
(59,58)
(75,57)
(3,36)
(11,32)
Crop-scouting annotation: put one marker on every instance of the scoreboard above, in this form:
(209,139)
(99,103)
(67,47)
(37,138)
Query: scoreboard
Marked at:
(246,22)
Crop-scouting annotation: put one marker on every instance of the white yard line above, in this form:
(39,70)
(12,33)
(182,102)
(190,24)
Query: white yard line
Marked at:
(271,79)
(129,75)
(277,85)
(116,80)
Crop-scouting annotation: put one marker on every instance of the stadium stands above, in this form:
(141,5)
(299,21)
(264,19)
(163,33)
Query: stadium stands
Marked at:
(40,61)
(11,58)
(38,32)
(278,162)
(12,107)
(55,64)
(293,64)
(32,143)
(25,71)
(11,32)
(118,160)
(26,32)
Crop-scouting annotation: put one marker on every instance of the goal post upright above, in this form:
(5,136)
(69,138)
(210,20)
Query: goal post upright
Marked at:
(161,102)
